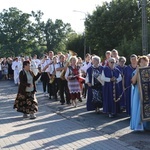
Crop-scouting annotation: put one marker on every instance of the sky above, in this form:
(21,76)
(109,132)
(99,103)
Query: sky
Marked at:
(69,11)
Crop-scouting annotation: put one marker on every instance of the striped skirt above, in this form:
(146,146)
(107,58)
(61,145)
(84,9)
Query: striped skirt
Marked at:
(74,89)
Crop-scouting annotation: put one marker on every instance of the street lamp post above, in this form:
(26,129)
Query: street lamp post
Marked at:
(143,4)
(144,28)
(84,30)
(84,44)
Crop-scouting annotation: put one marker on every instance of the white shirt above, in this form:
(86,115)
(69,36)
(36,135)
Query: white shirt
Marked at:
(58,73)
(16,66)
(36,62)
(85,66)
(46,62)
(106,79)
(51,68)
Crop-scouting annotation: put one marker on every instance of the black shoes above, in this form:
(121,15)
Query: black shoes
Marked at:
(80,99)
(68,103)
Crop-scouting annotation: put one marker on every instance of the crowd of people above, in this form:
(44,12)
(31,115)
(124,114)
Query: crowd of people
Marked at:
(109,85)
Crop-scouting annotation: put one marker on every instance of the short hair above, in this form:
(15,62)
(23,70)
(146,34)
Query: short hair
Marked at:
(51,52)
(111,58)
(16,58)
(73,57)
(144,58)
(79,58)
(25,63)
(55,57)
(114,50)
(97,58)
(133,55)
(122,57)
(59,53)
(108,52)
(87,55)
(62,55)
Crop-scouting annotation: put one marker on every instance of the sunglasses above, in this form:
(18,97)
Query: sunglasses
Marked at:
(112,62)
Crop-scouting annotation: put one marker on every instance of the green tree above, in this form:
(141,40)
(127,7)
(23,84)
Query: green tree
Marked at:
(112,24)
(51,35)
(56,33)
(20,35)
(76,44)
(14,35)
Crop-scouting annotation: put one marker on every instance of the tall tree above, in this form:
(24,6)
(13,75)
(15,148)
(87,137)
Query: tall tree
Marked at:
(111,23)
(76,44)
(51,34)
(22,33)
(56,32)
(14,33)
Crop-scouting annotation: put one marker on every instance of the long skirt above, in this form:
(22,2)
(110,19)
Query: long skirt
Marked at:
(136,123)
(26,103)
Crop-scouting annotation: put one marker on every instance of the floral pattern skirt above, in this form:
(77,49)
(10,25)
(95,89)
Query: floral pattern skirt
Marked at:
(26,103)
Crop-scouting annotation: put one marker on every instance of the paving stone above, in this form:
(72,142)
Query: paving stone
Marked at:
(50,130)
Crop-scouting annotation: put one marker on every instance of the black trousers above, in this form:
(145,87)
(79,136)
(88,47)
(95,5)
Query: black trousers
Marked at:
(63,88)
(45,82)
(85,90)
(53,88)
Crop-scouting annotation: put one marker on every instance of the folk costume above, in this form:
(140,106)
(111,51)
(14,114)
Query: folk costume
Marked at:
(111,90)
(73,83)
(121,87)
(94,102)
(26,101)
(127,84)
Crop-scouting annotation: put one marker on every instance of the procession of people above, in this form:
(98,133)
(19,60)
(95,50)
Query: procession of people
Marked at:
(109,86)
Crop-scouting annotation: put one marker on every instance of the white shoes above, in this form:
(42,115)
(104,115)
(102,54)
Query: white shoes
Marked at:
(25,115)
(32,116)
(74,103)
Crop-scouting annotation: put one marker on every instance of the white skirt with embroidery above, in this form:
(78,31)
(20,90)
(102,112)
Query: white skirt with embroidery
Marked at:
(74,86)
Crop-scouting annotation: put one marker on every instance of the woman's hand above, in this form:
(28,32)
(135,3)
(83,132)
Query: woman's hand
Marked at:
(137,68)
(71,77)
(31,85)
(113,79)
(89,84)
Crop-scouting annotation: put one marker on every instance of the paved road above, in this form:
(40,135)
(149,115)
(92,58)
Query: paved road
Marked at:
(63,127)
